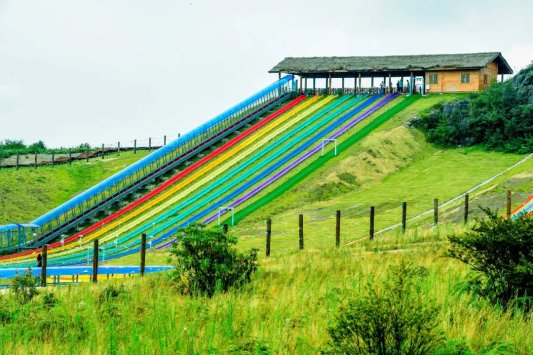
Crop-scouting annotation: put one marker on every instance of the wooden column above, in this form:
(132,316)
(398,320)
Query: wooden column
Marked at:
(103,150)
(17,162)
(268,236)
(436,211)
(305,85)
(404,216)
(372,223)
(301,231)
(342,85)
(360,88)
(354,85)
(372,82)
(508,203)
(329,85)
(424,84)
(411,83)
(301,83)
(390,83)
(70,156)
(118,148)
(314,86)
(143,254)
(95,261)
(35,162)
(338,229)
(44,262)
(466,209)
(134,146)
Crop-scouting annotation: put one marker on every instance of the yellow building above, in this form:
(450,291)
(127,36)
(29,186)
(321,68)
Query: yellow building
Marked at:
(435,73)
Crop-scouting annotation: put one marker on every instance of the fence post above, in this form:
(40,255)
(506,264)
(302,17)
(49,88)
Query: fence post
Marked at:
(95,261)
(508,203)
(338,229)
(436,211)
(44,262)
(143,253)
(70,156)
(134,146)
(404,216)
(268,236)
(372,212)
(466,208)
(301,231)
(17,161)
(103,150)
(225,228)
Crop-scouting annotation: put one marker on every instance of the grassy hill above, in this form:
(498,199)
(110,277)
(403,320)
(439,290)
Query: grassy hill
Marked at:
(27,193)
(297,294)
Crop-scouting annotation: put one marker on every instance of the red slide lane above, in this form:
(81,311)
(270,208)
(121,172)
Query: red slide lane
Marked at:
(170,181)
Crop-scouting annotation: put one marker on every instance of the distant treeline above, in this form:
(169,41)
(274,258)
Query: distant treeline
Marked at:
(499,118)
(10,147)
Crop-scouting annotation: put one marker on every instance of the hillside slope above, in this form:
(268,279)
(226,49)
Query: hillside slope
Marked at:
(28,193)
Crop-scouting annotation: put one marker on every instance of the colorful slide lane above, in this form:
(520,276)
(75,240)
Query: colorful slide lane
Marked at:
(207,162)
(525,209)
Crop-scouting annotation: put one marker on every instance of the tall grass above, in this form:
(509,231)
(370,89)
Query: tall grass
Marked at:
(286,309)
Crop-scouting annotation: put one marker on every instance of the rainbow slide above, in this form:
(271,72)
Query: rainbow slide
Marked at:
(227,178)
(525,209)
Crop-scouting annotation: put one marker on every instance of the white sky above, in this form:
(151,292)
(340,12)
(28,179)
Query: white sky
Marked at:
(102,71)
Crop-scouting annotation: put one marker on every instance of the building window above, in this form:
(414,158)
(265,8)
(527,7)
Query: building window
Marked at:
(433,78)
(485,79)
(465,78)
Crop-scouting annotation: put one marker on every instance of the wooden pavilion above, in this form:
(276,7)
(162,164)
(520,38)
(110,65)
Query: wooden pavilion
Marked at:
(438,73)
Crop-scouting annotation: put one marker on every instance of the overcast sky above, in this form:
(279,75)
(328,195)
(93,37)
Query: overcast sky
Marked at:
(103,71)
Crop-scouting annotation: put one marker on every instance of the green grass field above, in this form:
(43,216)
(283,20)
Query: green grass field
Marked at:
(27,193)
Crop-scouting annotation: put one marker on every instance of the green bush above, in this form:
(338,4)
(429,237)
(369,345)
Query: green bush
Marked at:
(395,318)
(25,287)
(207,261)
(500,251)
(500,118)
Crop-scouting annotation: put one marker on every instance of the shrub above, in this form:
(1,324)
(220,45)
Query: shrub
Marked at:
(500,251)
(207,261)
(395,319)
(25,286)
(500,118)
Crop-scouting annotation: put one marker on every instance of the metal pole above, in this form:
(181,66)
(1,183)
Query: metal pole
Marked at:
(134,146)
(17,164)
(70,156)
(118,148)
(103,150)
(164,140)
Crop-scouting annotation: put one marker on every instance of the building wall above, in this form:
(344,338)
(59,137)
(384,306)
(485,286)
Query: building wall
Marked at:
(491,71)
(450,81)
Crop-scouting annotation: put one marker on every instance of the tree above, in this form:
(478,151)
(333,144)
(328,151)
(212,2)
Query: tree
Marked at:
(500,251)
(207,261)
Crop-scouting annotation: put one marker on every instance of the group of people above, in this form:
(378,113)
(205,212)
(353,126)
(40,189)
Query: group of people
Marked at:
(400,87)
